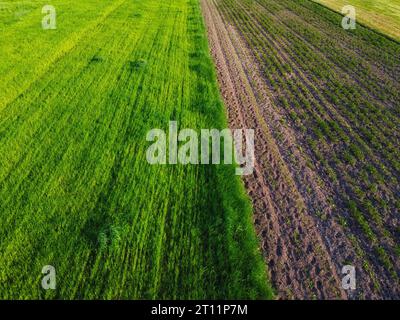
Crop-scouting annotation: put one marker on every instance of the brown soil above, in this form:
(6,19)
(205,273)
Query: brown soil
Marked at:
(304,256)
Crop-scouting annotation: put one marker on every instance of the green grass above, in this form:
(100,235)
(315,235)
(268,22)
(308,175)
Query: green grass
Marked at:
(76,191)
(382,15)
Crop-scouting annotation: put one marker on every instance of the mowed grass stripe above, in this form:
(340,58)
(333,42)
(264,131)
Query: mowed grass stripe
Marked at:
(79,193)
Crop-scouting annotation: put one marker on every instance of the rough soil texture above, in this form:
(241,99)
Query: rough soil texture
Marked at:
(304,254)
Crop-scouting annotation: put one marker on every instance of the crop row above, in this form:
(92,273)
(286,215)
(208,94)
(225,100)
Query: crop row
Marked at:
(339,91)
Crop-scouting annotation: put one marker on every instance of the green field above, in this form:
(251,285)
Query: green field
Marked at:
(76,191)
(382,15)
